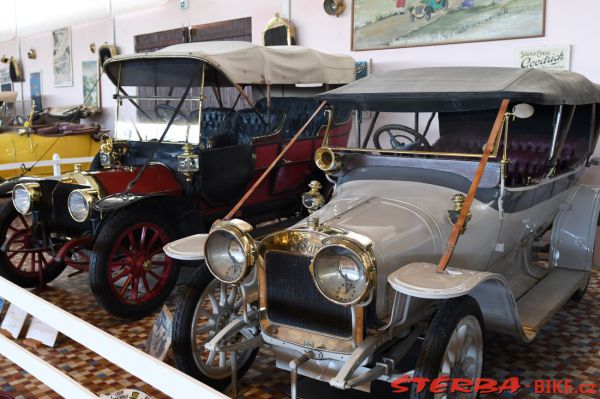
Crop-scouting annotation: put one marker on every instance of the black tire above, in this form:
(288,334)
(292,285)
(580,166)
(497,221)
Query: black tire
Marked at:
(134,265)
(9,218)
(438,337)
(580,293)
(183,322)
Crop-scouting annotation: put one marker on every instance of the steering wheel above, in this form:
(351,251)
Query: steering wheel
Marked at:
(401,138)
(164,113)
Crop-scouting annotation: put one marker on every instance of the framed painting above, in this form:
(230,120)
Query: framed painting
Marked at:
(381,24)
(89,76)
(35,89)
(61,58)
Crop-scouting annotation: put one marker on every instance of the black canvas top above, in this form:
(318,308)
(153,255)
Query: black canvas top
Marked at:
(462,89)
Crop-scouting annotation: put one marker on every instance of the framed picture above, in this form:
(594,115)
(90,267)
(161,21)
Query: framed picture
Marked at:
(5,76)
(362,69)
(6,86)
(62,62)
(89,76)
(35,88)
(381,24)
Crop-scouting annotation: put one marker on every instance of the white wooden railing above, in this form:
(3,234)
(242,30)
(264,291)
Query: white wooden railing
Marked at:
(163,377)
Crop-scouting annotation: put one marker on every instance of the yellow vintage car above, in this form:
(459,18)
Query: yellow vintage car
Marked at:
(27,148)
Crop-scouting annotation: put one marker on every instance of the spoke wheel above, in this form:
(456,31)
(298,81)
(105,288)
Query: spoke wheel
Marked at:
(78,257)
(453,348)
(139,269)
(24,254)
(129,272)
(205,308)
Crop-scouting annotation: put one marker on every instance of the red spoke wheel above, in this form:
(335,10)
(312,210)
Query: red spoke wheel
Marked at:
(23,255)
(129,273)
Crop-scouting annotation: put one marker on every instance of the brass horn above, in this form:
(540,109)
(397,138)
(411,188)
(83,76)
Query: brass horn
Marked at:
(327,160)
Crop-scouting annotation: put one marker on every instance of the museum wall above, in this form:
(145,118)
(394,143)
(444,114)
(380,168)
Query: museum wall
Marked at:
(565,24)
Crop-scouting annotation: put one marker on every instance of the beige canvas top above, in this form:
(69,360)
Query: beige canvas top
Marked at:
(247,63)
(8,96)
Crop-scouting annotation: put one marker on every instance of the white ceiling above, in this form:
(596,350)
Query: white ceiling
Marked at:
(29,17)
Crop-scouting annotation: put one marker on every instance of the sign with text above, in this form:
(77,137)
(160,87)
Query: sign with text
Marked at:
(546,57)
(42,332)
(14,320)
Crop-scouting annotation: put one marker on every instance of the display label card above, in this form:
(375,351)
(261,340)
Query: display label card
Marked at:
(14,320)
(127,394)
(159,340)
(556,58)
(42,332)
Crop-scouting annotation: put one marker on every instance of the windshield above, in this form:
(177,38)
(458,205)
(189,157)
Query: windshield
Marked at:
(145,111)
(455,134)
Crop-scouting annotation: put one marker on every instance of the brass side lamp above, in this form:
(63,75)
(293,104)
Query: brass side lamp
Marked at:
(188,163)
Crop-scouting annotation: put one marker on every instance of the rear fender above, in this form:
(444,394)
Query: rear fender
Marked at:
(490,290)
(574,230)
(183,215)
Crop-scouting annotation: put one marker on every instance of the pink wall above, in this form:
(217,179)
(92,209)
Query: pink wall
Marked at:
(567,22)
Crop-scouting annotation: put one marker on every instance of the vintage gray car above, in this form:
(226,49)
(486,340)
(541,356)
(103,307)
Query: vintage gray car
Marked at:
(344,295)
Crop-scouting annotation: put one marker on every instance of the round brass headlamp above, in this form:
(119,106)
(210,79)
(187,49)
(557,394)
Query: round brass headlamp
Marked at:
(230,251)
(26,196)
(344,272)
(327,160)
(80,204)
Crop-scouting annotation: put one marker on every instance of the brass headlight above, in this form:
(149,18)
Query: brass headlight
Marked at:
(229,250)
(80,204)
(344,271)
(25,196)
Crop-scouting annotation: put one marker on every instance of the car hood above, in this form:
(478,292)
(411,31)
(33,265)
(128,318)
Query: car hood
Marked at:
(401,233)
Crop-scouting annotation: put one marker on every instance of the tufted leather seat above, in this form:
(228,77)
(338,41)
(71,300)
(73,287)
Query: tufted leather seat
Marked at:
(528,153)
(216,127)
(297,111)
(247,126)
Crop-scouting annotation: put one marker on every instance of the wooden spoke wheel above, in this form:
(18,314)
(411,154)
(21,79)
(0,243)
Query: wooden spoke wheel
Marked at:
(25,258)
(129,273)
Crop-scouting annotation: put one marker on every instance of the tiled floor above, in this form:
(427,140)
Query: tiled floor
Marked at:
(568,348)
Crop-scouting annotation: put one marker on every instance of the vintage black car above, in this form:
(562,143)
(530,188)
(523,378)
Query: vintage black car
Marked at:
(196,125)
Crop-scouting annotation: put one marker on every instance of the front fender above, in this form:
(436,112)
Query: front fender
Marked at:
(182,213)
(7,186)
(490,290)
(118,201)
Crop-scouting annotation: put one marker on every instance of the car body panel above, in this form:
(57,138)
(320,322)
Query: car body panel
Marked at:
(17,149)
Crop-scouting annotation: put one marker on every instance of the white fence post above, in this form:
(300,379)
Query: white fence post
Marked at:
(56,165)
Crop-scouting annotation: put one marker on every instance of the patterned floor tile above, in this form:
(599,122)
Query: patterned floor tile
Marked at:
(567,348)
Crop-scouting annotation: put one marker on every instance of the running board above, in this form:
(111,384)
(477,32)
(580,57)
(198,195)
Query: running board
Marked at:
(541,302)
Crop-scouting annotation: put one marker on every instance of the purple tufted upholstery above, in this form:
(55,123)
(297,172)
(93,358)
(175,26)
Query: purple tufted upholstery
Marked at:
(528,153)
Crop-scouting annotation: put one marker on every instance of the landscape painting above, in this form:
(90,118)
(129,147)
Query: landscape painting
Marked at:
(62,63)
(89,74)
(380,24)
